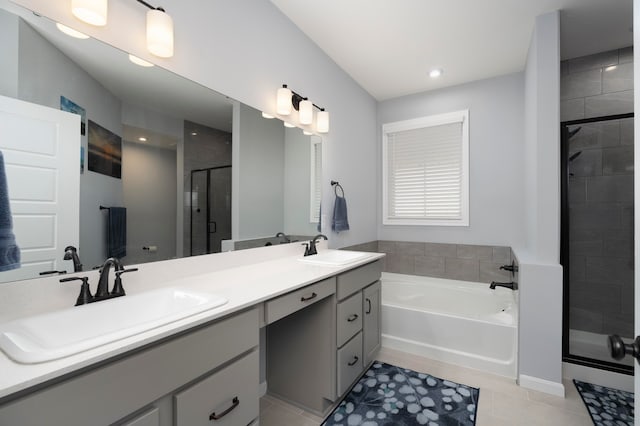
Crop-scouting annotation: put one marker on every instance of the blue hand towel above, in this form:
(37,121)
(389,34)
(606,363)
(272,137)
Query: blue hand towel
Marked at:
(117,232)
(340,221)
(9,251)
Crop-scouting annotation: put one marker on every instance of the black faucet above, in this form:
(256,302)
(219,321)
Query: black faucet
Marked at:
(311,245)
(512,285)
(71,253)
(285,237)
(102,292)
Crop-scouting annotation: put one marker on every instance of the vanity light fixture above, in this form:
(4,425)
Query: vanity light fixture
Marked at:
(93,12)
(140,62)
(159,23)
(71,32)
(287,100)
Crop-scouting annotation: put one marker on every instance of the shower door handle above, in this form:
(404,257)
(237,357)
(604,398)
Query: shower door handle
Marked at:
(618,349)
(215,227)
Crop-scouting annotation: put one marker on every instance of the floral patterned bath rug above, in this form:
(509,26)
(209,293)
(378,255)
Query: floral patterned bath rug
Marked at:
(388,395)
(607,406)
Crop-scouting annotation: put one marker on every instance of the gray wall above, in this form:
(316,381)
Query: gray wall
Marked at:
(216,46)
(540,324)
(260,174)
(496,160)
(149,174)
(9,59)
(601,192)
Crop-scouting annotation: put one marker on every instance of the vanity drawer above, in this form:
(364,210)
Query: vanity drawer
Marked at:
(357,279)
(349,363)
(349,318)
(289,303)
(231,395)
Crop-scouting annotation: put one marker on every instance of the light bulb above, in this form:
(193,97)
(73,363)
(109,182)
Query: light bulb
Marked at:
(322,123)
(283,105)
(159,33)
(306,112)
(93,12)
(71,32)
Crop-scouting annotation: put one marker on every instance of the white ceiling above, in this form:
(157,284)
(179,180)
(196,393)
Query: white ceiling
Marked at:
(389,46)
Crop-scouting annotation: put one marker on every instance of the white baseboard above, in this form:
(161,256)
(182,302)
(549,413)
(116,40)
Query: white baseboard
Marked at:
(262,389)
(541,385)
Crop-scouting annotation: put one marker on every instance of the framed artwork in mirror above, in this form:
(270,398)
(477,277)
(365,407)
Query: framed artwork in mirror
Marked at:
(105,151)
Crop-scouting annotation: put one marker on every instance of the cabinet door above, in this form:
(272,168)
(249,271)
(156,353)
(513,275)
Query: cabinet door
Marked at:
(371,325)
(149,418)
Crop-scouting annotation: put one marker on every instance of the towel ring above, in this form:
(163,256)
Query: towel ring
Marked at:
(337,185)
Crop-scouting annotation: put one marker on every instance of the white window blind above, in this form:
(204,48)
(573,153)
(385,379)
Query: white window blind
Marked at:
(316,181)
(425,171)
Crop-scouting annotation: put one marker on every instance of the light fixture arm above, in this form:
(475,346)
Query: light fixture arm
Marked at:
(150,6)
(296,98)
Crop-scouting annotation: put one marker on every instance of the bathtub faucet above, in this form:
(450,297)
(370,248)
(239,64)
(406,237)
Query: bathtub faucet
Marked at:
(512,285)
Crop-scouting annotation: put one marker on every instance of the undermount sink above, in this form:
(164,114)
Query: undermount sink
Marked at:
(335,257)
(70,331)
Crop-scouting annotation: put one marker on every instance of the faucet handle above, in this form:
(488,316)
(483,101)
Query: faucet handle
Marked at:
(118,290)
(85,293)
(306,249)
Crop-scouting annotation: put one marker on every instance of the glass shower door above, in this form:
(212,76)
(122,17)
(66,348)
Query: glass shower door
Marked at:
(597,238)
(210,209)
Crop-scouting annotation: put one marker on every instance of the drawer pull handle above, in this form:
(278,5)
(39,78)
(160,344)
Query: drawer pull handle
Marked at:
(352,318)
(213,415)
(352,363)
(369,308)
(306,299)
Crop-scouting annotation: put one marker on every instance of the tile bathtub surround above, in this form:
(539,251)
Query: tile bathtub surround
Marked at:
(597,85)
(453,261)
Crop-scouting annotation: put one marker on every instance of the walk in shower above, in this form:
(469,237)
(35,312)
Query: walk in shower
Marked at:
(210,209)
(597,238)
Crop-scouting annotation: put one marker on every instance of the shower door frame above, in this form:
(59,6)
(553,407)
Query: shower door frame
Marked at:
(564,248)
(208,170)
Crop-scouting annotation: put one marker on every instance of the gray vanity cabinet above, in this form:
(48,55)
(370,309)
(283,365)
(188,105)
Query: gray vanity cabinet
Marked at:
(371,328)
(114,390)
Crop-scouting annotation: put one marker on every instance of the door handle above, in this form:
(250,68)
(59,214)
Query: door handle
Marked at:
(618,349)
(368,311)
(215,227)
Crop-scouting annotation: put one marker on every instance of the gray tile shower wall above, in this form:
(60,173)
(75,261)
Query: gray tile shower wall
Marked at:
(453,261)
(600,192)
(597,85)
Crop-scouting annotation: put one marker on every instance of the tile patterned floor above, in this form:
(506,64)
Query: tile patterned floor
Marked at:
(502,402)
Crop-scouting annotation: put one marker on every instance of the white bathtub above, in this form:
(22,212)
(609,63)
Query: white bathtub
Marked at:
(453,321)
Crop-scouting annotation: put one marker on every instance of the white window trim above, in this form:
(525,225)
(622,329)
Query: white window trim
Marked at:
(432,120)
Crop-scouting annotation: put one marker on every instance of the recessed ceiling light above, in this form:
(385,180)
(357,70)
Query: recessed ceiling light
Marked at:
(71,32)
(139,61)
(288,125)
(194,133)
(611,68)
(268,116)
(142,139)
(435,73)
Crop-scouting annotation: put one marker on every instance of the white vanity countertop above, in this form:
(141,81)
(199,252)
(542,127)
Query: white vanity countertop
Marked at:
(243,287)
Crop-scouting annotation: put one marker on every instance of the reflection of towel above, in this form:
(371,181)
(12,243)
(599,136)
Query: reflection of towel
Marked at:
(117,232)
(340,221)
(9,251)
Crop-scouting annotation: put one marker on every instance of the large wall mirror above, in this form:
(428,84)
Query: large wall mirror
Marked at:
(196,171)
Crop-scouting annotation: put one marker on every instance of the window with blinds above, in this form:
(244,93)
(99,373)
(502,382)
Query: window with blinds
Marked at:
(316,180)
(425,171)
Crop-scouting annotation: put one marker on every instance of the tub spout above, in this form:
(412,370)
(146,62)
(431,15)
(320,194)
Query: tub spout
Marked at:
(512,285)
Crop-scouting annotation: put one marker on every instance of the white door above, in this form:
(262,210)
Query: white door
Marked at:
(41,148)
(636,196)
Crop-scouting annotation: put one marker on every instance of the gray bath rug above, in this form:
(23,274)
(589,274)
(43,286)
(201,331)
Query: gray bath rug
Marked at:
(388,395)
(607,406)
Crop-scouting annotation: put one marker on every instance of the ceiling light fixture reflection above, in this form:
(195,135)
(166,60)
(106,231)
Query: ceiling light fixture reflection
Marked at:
(289,125)
(267,116)
(140,62)
(194,133)
(71,32)
(435,73)
(307,133)
(142,139)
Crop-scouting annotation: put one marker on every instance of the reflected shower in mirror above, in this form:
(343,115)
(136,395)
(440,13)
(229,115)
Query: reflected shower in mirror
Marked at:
(173,143)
